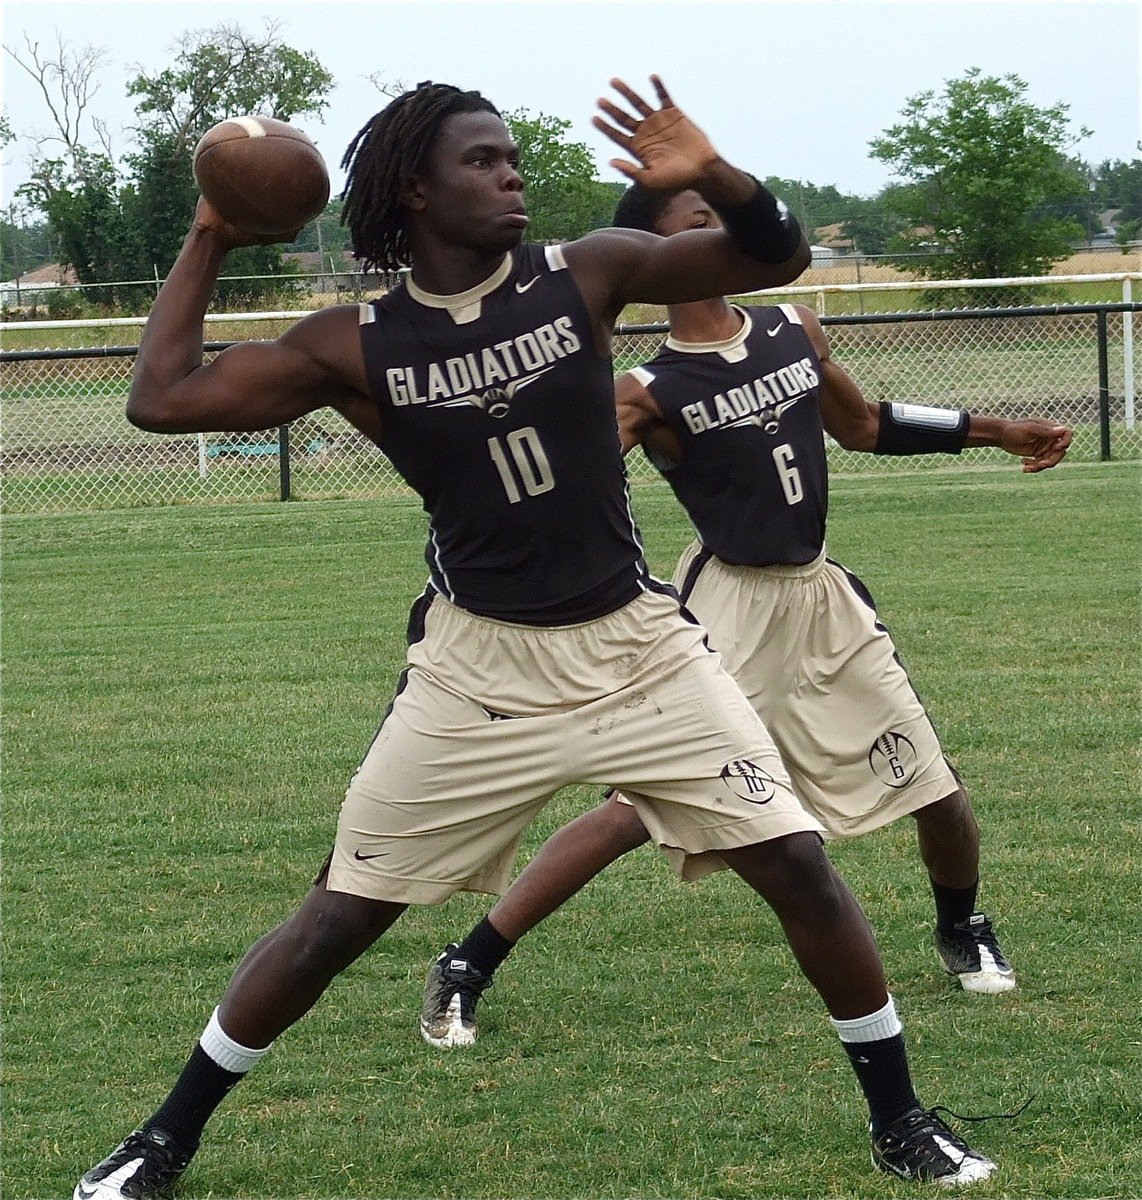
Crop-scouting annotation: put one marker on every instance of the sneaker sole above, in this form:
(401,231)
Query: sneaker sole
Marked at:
(987,983)
(454,1037)
(972,1170)
(984,983)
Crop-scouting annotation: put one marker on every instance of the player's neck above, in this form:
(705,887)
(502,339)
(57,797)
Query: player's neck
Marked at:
(449,271)
(704,321)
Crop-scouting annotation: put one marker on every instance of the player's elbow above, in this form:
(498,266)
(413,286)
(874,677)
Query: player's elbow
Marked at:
(147,409)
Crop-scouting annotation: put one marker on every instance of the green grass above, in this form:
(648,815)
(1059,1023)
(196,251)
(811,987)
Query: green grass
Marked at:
(186,692)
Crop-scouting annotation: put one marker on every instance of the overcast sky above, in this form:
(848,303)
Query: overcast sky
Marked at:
(795,88)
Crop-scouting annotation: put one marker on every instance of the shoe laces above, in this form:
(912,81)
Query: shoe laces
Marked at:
(936,1109)
(161,1155)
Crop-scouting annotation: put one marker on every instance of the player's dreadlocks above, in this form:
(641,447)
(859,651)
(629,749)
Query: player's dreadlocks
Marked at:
(391,147)
(640,208)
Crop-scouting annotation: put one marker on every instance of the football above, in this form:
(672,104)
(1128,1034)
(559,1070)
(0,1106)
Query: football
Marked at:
(261,174)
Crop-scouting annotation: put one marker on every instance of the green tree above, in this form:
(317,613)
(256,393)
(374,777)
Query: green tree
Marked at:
(564,197)
(217,73)
(125,220)
(24,245)
(985,167)
(871,224)
(1119,185)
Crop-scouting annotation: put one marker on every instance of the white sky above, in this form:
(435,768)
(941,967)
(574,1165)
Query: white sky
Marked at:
(795,88)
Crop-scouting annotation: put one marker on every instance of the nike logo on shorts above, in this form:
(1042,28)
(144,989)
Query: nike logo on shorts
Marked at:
(365,857)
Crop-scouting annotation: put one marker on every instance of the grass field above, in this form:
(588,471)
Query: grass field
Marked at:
(186,692)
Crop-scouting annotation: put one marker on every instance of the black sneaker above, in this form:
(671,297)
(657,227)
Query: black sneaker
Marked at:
(451,992)
(918,1145)
(144,1166)
(972,952)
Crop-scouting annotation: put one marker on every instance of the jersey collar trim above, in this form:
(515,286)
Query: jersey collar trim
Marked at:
(463,307)
(731,348)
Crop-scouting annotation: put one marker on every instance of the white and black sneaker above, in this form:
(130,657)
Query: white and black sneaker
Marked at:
(919,1146)
(451,992)
(143,1167)
(972,952)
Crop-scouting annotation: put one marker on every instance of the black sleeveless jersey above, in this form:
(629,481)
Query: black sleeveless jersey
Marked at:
(752,474)
(499,410)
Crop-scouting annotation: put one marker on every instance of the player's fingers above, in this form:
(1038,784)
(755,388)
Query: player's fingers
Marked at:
(663,95)
(632,97)
(614,134)
(616,114)
(629,169)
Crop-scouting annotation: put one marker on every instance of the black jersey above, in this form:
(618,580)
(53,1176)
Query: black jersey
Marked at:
(499,410)
(752,474)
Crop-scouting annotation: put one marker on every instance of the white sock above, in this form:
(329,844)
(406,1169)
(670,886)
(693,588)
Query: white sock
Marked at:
(877,1026)
(226,1052)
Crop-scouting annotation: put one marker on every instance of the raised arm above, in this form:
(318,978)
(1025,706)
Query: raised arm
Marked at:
(907,429)
(759,246)
(253,385)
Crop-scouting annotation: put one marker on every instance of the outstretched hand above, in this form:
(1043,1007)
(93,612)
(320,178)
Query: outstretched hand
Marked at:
(1040,443)
(672,153)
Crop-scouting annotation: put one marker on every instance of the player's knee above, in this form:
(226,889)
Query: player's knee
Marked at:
(949,812)
(328,935)
(791,873)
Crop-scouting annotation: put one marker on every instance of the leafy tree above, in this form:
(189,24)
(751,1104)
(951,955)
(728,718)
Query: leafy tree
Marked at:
(871,224)
(23,246)
(126,220)
(217,73)
(1119,185)
(564,198)
(984,167)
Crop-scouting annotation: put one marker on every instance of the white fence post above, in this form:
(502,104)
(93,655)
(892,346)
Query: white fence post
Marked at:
(1128,355)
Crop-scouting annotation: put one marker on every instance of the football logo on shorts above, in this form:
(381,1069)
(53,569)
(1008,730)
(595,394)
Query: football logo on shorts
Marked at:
(748,781)
(893,759)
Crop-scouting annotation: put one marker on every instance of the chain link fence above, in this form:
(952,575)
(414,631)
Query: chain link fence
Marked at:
(66,445)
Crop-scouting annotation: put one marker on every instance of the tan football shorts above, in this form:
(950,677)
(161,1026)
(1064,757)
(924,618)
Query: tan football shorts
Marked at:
(821,671)
(493,718)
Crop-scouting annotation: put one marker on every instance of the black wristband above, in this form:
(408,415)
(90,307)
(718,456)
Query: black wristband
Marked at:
(763,227)
(916,429)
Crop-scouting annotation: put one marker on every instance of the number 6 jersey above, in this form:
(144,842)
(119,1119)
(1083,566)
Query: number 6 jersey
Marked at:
(752,474)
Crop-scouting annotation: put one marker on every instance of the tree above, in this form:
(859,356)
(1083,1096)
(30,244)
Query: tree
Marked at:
(564,198)
(126,220)
(985,167)
(217,73)
(1118,185)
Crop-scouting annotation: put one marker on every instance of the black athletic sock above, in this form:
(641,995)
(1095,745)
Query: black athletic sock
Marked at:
(198,1091)
(485,948)
(882,1070)
(953,905)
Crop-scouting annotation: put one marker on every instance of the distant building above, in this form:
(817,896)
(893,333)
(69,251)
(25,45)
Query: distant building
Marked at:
(32,285)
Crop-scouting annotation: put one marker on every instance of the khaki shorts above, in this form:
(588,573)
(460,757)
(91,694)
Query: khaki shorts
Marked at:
(493,718)
(821,671)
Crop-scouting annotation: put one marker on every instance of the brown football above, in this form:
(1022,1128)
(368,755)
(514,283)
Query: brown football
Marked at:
(261,174)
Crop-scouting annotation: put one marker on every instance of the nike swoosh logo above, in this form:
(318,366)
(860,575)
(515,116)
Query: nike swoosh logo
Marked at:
(83,1193)
(774,332)
(522,287)
(365,857)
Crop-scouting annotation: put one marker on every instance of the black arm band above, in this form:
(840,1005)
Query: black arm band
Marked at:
(916,429)
(763,227)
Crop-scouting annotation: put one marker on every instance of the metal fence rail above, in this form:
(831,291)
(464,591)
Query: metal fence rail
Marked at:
(66,445)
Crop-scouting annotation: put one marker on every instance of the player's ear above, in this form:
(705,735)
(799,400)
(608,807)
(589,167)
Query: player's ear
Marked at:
(412,194)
